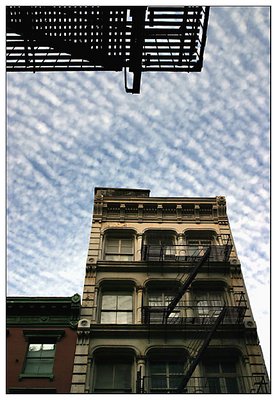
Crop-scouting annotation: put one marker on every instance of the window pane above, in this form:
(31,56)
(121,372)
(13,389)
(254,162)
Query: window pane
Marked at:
(176,367)
(126,246)
(125,302)
(110,257)
(45,366)
(124,258)
(232,385)
(48,346)
(104,376)
(214,385)
(175,381)
(212,366)
(113,376)
(34,350)
(32,366)
(112,244)
(108,317)
(158,367)
(155,300)
(109,302)
(228,366)
(122,376)
(124,317)
(158,382)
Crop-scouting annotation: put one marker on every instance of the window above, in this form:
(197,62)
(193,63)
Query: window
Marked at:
(40,354)
(197,247)
(113,373)
(165,369)
(158,300)
(159,246)
(165,377)
(221,375)
(119,249)
(40,359)
(208,303)
(117,308)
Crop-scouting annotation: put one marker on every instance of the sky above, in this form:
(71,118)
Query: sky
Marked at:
(198,134)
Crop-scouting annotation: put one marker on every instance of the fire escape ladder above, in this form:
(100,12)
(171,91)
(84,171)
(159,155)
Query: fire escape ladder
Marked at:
(186,284)
(193,361)
(136,50)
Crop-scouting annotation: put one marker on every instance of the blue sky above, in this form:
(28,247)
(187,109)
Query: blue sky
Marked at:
(198,134)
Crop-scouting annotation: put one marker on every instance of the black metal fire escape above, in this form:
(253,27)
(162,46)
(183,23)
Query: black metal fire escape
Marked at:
(93,38)
(208,324)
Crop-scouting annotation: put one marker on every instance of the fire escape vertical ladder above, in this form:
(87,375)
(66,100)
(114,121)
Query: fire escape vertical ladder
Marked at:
(137,41)
(187,283)
(193,362)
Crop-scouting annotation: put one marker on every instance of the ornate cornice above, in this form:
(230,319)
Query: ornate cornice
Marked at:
(42,311)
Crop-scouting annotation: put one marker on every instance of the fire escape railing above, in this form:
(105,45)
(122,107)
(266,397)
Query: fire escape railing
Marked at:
(108,38)
(203,385)
(210,318)
(189,313)
(185,253)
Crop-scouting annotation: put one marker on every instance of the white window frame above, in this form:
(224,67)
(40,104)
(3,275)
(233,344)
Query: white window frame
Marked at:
(117,310)
(119,254)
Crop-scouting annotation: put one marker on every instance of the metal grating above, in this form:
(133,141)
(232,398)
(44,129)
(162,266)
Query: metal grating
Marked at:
(88,38)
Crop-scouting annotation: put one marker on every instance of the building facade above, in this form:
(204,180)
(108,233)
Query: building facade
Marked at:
(41,340)
(165,308)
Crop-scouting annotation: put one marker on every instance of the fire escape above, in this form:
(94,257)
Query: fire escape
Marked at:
(92,38)
(207,322)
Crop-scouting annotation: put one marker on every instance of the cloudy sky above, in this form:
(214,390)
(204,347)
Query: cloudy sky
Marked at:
(198,134)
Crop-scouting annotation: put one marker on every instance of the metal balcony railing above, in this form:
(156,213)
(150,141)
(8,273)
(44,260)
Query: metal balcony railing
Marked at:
(192,314)
(224,384)
(185,253)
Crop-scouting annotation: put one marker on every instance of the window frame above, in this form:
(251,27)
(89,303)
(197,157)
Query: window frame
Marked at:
(119,255)
(168,357)
(40,337)
(222,376)
(212,298)
(117,311)
(115,359)
(166,295)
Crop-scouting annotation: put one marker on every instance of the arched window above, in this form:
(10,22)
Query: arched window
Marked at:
(158,296)
(113,371)
(116,302)
(119,245)
(222,370)
(159,245)
(165,370)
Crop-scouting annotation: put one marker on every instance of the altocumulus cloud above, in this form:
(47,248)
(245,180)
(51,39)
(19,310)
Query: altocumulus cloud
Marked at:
(201,134)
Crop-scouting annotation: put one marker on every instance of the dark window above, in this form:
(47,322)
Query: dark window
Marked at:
(159,246)
(113,376)
(221,376)
(165,376)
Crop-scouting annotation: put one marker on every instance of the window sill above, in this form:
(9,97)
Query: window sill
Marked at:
(36,376)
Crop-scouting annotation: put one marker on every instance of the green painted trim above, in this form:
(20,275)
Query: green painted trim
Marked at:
(44,334)
(36,376)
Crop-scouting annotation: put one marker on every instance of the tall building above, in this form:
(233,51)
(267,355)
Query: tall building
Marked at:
(165,308)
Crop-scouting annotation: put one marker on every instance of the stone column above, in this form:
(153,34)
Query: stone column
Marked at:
(138,244)
(138,316)
(141,369)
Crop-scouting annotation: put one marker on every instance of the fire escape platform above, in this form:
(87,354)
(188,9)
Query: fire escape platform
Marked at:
(107,38)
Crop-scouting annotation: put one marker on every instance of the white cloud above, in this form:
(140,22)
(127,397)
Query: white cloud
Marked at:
(201,134)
